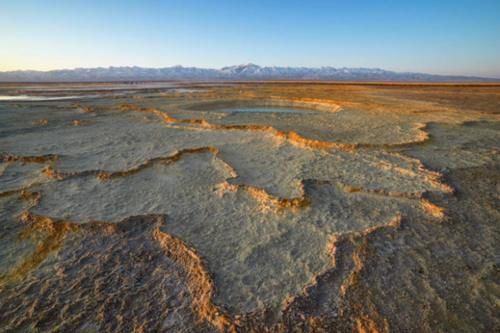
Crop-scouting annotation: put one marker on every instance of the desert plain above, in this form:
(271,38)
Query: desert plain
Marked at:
(249,207)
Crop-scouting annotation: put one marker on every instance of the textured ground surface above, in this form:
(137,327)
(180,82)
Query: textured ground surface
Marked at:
(250,207)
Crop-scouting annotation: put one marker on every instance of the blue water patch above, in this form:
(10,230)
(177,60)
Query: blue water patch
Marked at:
(265,110)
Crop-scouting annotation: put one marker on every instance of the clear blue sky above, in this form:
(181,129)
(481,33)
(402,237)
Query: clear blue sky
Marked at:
(446,37)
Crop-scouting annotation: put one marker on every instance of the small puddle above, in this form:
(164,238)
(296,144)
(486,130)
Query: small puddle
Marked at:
(265,110)
(29,98)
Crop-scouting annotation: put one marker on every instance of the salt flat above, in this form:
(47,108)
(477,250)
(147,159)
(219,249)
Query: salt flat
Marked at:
(249,206)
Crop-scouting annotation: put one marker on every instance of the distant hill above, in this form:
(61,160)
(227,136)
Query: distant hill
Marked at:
(240,72)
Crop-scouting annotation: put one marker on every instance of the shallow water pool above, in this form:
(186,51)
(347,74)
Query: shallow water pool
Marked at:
(265,110)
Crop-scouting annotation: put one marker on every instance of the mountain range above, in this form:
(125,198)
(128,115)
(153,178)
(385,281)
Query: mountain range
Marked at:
(239,72)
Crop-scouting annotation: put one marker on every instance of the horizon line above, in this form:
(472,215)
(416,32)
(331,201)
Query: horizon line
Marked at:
(248,64)
(233,73)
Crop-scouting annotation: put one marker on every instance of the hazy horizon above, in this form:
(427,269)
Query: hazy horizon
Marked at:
(445,38)
(237,65)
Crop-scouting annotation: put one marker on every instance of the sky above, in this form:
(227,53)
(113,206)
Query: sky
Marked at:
(440,37)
